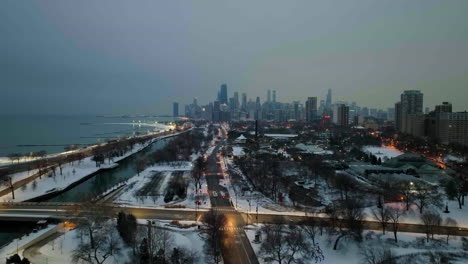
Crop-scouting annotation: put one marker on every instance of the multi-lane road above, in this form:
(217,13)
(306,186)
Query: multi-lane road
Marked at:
(236,246)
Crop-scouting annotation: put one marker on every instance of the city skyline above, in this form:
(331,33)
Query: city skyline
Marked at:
(366,52)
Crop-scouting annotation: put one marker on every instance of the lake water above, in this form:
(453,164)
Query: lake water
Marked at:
(67,130)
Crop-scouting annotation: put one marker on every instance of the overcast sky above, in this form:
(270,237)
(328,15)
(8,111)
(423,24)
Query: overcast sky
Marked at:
(118,57)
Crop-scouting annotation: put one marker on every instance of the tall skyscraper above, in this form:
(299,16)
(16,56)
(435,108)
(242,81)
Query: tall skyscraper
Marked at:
(244,101)
(274,96)
(269,96)
(297,115)
(328,102)
(175,109)
(411,104)
(258,109)
(343,115)
(236,100)
(311,109)
(223,94)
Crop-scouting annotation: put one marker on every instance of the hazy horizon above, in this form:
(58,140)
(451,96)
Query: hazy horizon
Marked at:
(126,57)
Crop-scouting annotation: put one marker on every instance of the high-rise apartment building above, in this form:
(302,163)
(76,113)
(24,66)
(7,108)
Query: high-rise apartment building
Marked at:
(175,109)
(311,109)
(445,107)
(411,104)
(343,115)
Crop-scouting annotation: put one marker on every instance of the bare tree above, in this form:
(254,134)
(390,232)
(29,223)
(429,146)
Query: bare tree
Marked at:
(215,223)
(450,227)
(14,156)
(352,215)
(140,166)
(288,244)
(376,255)
(344,183)
(6,179)
(431,221)
(105,244)
(394,215)
(406,190)
(425,196)
(382,216)
(311,228)
(198,170)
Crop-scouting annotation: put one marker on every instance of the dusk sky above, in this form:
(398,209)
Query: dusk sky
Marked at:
(137,57)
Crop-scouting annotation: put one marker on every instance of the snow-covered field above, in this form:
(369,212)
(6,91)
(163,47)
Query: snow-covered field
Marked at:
(349,251)
(60,250)
(383,152)
(130,195)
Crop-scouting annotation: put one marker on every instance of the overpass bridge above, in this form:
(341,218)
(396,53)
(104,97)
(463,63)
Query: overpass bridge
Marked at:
(33,211)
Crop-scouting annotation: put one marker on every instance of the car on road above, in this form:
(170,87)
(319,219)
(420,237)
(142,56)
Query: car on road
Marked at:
(223,195)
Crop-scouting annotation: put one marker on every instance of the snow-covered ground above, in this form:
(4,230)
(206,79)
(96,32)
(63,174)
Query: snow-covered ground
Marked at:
(238,151)
(60,250)
(10,249)
(71,173)
(249,201)
(383,152)
(414,217)
(349,251)
(130,195)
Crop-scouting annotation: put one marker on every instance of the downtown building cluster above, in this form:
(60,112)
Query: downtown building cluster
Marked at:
(239,107)
(407,117)
(440,124)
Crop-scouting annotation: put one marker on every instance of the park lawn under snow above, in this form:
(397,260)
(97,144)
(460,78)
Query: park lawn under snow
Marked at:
(383,152)
(60,250)
(240,199)
(414,217)
(130,196)
(348,251)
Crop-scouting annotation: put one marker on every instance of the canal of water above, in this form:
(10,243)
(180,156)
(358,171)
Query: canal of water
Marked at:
(106,179)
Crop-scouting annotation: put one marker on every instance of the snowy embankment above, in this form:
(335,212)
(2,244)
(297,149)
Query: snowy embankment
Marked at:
(18,243)
(71,173)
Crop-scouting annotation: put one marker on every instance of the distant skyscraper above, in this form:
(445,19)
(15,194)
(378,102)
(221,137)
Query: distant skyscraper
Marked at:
(391,114)
(328,102)
(175,109)
(343,115)
(297,115)
(244,101)
(274,96)
(398,115)
(258,109)
(195,101)
(236,100)
(269,96)
(311,109)
(223,94)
